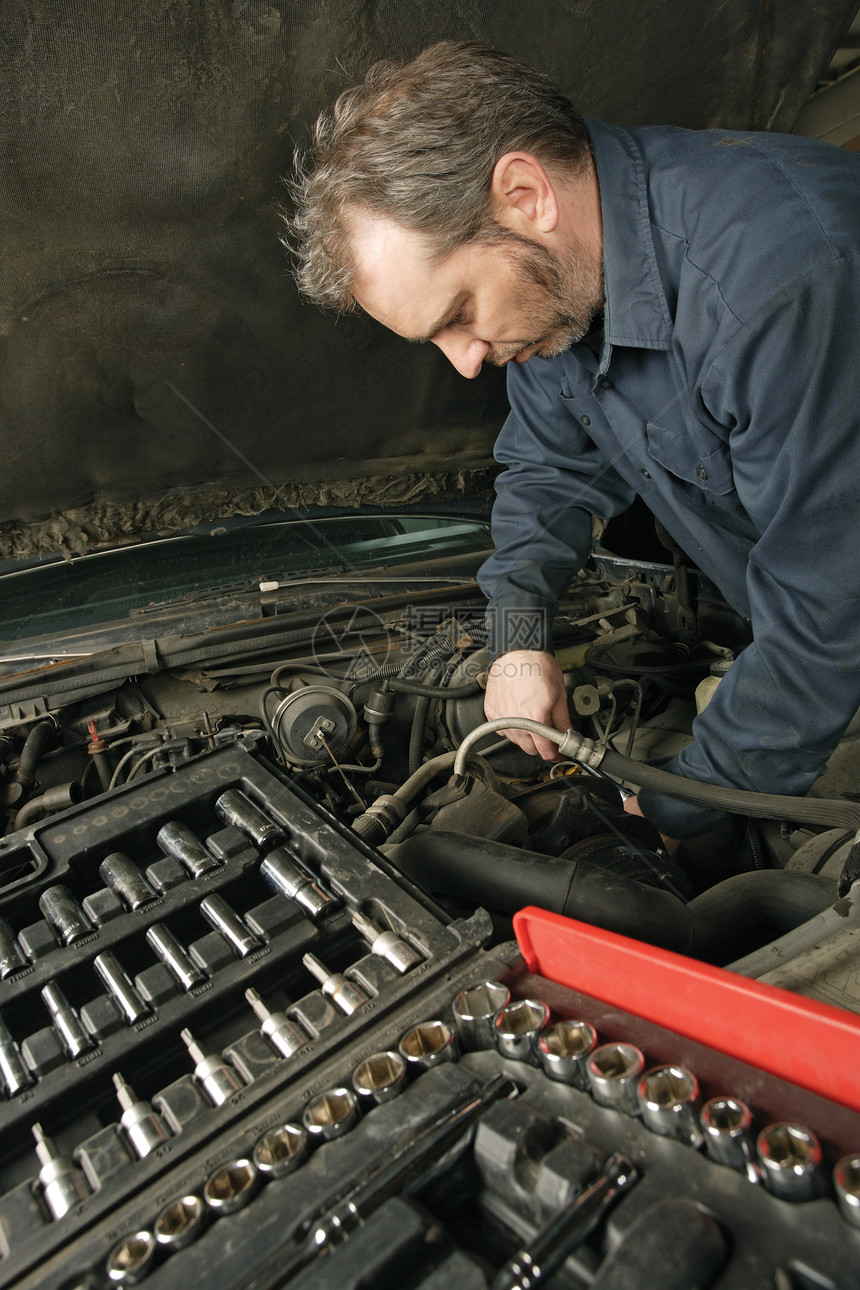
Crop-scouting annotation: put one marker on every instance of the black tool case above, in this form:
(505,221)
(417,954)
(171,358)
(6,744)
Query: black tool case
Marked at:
(233,1185)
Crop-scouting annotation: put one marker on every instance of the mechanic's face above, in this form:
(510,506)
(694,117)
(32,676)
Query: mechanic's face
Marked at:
(485,302)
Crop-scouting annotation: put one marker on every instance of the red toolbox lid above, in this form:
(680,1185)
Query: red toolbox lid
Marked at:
(809,1043)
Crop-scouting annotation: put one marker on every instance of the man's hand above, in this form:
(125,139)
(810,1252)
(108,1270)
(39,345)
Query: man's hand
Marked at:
(632,807)
(528,683)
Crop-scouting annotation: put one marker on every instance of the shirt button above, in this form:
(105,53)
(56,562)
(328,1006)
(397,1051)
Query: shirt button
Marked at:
(586,421)
(702,473)
(606,384)
(646,474)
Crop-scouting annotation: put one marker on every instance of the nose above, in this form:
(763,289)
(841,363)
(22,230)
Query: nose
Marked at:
(465,352)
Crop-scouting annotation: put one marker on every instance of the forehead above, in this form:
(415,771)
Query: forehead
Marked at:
(397,280)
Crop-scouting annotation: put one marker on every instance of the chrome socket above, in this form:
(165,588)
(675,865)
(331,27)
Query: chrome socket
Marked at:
(180,1223)
(120,988)
(343,993)
(227,923)
(613,1075)
(131,1259)
(564,1049)
(231,1186)
(475,1010)
(177,840)
(284,1035)
(281,872)
(236,808)
(174,956)
(790,1160)
(729,1140)
(144,1129)
(218,1080)
(13,1073)
(281,1150)
(123,876)
(12,959)
(61,1182)
(387,945)
(74,1038)
(518,1027)
(380,1077)
(846,1184)
(64,914)
(331,1114)
(669,1103)
(428,1044)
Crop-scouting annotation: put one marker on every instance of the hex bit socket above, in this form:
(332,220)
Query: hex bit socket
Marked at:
(144,1129)
(218,1080)
(387,945)
(123,876)
(284,1035)
(61,1182)
(177,840)
(13,1073)
(343,994)
(64,914)
(227,923)
(236,808)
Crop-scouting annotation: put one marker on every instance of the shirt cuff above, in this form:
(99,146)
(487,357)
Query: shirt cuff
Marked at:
(518,622)
(676,818)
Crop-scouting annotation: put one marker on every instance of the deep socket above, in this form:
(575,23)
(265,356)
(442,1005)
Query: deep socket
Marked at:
(727,1126)
(180,1223)
(428,1044)
(174,956)
(343,994)
(387,945)
(846,1184)
(64,914)
(11,958)
(284,1035)
(281,1150)
(218,1080)
(518,1027)
(131,1259)
(380,1077)
(61,1182)
(227,923)
(281,872)
(13,1072)
(231,1186)
(475,1010)
(177,840)
(613,1076)
(144,1129)
(74,1038)
(120,988)
(123,876)
(790,1159)
(669,1103)
(330,1114)
(235,807)
(563,1051)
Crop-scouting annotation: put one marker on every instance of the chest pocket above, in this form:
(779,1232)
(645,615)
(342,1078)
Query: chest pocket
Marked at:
(706,463)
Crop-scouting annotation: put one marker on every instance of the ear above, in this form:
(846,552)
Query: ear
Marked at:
(524,198)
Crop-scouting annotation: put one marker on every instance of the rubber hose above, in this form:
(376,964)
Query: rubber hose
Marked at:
(427,691)
(647,669)
(58,798)
(34,745)
(710,926)
(417,732)
(802,810)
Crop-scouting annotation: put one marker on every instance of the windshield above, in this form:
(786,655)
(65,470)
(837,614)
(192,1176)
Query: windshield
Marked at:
(106,587)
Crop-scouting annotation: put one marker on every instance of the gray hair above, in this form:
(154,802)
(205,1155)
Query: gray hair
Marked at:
(417,143)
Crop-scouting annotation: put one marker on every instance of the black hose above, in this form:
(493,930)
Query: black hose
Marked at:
(428,691)
(747,908)
(831,812)
(34,745)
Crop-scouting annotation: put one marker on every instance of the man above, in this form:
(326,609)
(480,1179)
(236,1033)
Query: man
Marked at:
(679,314)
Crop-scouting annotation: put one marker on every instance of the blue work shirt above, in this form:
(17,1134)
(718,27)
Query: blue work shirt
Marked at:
(727,394)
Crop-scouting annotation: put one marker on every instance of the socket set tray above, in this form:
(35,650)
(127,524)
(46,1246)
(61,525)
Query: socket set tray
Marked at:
(237,1046)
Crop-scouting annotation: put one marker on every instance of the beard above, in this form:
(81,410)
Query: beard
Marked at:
(561,295)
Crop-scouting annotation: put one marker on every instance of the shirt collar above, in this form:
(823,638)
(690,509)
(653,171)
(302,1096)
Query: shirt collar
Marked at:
(636,312)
